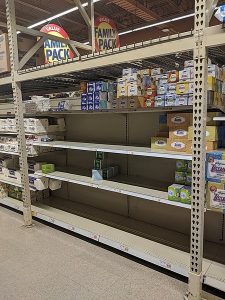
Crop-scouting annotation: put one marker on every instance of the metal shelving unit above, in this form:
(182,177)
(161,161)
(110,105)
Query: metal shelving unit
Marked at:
(192,265)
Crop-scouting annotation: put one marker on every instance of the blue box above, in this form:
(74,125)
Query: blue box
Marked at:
(90,97)
(84,98)
(100,96)
(96,105)
(91,106)
(84,106)
(162,89)
(215,166)
(101,86)
(103,104)
(91,87)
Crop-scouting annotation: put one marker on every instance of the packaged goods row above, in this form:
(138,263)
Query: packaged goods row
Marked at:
(176,131)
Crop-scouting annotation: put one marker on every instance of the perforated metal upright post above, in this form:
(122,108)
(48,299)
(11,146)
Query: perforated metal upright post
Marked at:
(17,97)
(198,151)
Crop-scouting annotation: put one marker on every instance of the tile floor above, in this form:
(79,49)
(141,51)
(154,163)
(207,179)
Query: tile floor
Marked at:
(44,263)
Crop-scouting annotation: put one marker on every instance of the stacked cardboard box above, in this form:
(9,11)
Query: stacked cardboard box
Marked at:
(101,169)
(215,177)
(98,95)
(181,190)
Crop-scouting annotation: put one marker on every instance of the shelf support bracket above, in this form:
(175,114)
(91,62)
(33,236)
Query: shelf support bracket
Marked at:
(17,97)
(198,150)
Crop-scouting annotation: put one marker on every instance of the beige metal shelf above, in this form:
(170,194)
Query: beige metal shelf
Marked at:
(156,253)
(116,187)
(129,150)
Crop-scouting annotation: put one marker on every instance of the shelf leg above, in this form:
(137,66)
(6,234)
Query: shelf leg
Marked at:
(17,98)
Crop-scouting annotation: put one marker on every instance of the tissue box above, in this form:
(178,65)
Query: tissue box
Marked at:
(14,174)
(189,63)
(172,88)
(151,91)
(162,89)
(181,100)
(156,71)
(34,166)
(122,103)
(174,192)
(178,133)
(178,119)
(178,145)
(210,146)
(135,102)
(211,133)
(38,183)
(163,78)
(182,88)
(91,87)
(122,91)
(173,76)
(185,195)
(48,168)
(158,143)
(180,177)
(181,165)
(215,166)
(97,174)
(36,125)
(100,96)
(129,71)
(216,195)
(170,100)
(134,89)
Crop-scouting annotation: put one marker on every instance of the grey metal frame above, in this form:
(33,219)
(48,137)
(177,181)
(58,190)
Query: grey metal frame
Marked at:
(203,38)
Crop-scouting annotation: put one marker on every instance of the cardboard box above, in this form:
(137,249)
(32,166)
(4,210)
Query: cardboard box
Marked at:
(135,102)
(145,72)
(183,88)
(185,74)
(149,102)
(179,133)
(181,100)
(172,88)
(122,103)
(163,79)
(4,54)
(156,71)
(162,89)
(91,87)
(170,99)
(174,192)
(135,77)
(211,83)
(134,89)
(152,91)
(215,166)
(215,195)
(173,76)
(158,143)
(178,119)
(178,145)
(38,183)
(122,91)
(114,104)
(185,195)
(211,133)
(181,165)
(180,177)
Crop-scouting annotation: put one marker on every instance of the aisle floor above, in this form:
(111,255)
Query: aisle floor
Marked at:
(45,263)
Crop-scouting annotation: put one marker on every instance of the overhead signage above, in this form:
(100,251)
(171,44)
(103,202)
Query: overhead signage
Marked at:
(106,34)
(55,50)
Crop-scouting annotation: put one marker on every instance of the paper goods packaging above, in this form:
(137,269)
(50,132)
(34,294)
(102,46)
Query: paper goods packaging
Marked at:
(162,89)
(122,90)
(180,177)
(158,143)
(181,165)
(185,195)
(37,182)
(156,71)
(189,63)
(134,89)
(178,119)
(211,133)
(181,100)
(211,83)
(135,102)
(172,88)
(14,175)
(185,87)
(4,54)
(215,195)
(173,76)
(55,184)
(129,71)
(215,166)
(97,174)
(149,102)
(34,166)
(179,133)
(174,192)
(178,145)
(170,100)
(122,103)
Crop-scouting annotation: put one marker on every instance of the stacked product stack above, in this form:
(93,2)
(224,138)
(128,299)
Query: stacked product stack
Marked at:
(181,190)
(177,136)
(101,169)
(215,178)
(97,95)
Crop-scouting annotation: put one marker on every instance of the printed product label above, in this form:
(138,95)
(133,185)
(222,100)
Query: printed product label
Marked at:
(217,197)
(160,143)
(178,120)
(182,88)
(178,145)
(180,132)
(216,169)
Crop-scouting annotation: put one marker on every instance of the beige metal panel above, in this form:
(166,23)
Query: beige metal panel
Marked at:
(5,80)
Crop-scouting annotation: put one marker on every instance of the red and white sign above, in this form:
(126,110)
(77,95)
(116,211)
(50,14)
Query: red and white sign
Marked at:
(106,34)
(55,50)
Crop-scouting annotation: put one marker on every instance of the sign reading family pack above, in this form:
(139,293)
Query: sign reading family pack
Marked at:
(106,34)
(55,50)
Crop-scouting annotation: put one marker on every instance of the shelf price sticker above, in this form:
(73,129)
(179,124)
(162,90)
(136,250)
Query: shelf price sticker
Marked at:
(106,34)
(55,50)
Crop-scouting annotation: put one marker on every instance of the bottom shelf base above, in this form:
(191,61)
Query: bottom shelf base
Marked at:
(156,253)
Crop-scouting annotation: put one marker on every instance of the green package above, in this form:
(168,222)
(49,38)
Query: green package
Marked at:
(48,168)
(189,166)
(97,164)
(185,195)
(174,192)
(180,177)
(181,165)
(100,155)
(188,179)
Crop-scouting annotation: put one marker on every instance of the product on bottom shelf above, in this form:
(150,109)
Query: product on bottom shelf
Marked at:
(101,169)
(174,192)
(216,195)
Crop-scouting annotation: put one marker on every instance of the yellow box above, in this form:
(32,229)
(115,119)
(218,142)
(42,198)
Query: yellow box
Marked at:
(211,83)
(182,88)
(211,133)
(210,146)
(158,143)
(178,119)
(178,145)
(180,133)
(121,90)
